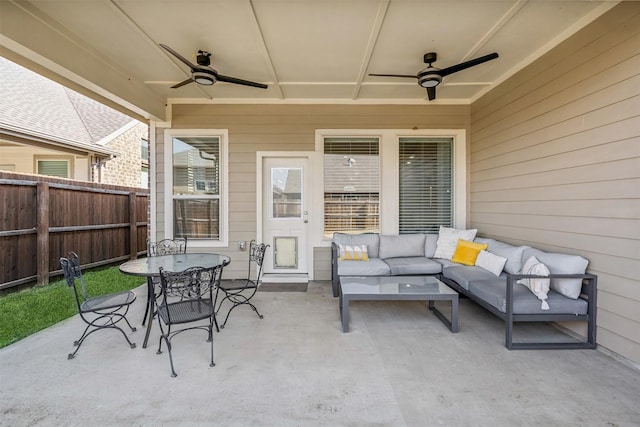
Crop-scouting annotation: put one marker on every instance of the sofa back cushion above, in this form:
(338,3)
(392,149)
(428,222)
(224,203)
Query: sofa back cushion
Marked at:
(513,254)
(430,245)
(561,264)
(371,240)
(403,245)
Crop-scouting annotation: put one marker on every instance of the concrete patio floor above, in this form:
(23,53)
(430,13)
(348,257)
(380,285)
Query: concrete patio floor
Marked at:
(398,366)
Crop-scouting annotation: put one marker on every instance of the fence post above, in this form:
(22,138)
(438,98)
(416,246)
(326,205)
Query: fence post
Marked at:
(133,227)
(42,251)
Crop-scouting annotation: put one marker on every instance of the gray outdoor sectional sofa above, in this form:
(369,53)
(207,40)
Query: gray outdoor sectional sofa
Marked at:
(571,294)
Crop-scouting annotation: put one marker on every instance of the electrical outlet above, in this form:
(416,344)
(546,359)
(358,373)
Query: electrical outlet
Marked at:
(242,245)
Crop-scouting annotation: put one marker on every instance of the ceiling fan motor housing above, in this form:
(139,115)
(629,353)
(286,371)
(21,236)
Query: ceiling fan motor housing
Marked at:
(203,58)
(430,57)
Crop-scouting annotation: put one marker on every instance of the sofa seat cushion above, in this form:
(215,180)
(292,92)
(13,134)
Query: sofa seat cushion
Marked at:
(408,266)
(494,292)
(373,267)
(463,275)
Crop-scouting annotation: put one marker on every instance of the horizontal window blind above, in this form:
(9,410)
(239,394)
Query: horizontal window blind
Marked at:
(351,185)
(196,165)
(59,168)
(426,184)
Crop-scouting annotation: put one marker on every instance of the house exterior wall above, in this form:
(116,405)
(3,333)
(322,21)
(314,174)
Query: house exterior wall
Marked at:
(125,168)
(23,159)
(285,128)
(555,163)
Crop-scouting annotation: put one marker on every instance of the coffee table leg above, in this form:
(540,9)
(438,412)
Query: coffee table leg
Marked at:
(451,324)
(344,313)
(454,314)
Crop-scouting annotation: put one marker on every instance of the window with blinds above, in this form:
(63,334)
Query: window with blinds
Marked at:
(59,168)
(351,185)
(426,184)
(196,187)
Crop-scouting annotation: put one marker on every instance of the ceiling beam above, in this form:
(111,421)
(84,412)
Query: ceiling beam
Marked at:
(265,52)
(383,6)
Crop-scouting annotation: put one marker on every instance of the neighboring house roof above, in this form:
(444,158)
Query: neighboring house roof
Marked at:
(34,107)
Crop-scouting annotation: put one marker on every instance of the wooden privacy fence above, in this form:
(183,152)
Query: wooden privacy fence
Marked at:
(43,218)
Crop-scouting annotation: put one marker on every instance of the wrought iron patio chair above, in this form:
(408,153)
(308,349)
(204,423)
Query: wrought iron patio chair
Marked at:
(186,297)
(167,246)
(98,312)
(241,291)
(161,247)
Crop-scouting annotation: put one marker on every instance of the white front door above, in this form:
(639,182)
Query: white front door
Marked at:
(285,214)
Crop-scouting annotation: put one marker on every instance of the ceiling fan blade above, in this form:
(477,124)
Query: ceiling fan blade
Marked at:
(431,93)
(186,82)
(468,64)
(237,81)
(395,75)
(180,57)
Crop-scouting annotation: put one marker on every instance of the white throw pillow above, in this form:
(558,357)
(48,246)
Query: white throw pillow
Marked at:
(448,240)
(491,262)
(539,287)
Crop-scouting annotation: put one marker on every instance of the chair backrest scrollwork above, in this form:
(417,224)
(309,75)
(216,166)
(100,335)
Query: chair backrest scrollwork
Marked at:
(167,247)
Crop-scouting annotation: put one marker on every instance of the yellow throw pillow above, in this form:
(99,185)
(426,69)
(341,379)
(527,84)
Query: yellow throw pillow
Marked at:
(353,253)
(467,252)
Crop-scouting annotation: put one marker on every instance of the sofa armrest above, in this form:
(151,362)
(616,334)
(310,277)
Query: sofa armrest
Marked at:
(589,283)
(589,293)
(334,268)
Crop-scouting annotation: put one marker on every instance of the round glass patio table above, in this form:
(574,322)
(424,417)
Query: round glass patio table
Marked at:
(150,267)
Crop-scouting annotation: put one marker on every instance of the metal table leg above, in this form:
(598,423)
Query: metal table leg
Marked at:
(150,309)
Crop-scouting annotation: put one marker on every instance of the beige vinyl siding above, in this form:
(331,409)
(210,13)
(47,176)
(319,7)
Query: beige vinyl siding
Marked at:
(272,127)
(157,152)
(555,163)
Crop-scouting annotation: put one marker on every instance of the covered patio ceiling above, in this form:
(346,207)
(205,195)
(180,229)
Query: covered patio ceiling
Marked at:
(312,51)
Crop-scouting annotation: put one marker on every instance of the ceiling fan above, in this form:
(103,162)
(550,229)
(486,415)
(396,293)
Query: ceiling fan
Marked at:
(431,76)
(203,74)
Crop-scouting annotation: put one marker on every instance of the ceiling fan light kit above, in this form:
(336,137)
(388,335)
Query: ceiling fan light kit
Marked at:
(429,80)
(203,78)
(431,76)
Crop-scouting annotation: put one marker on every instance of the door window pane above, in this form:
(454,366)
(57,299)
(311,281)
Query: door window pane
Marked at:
(426,184)
(286,192)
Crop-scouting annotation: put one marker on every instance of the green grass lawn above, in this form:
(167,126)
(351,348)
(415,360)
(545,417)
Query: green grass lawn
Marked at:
(24,313)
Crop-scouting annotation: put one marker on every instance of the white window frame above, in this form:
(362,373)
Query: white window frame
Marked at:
(389,171)
(223,134)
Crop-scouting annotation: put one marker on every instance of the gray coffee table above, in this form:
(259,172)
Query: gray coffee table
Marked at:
(388,288)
